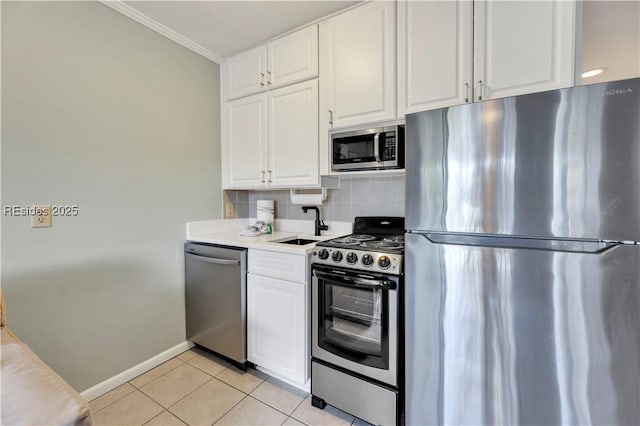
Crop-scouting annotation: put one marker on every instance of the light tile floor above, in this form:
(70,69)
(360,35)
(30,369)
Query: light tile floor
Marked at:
(198,388)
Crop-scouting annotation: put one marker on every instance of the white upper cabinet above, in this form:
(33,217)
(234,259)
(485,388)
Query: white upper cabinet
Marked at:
(286,60)
(293,135)
(246,136)
(435,67)
(271,139)
(246,73)
(293,58)
(523,47)
(452,52)
(361,65)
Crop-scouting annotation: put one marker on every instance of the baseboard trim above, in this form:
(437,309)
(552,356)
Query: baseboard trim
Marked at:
(121,378)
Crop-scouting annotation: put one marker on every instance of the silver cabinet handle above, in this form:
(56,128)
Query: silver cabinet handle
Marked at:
(262,79)
(214,260)
(466,91)
(331,118)
(269,176)
(262,180)
(480,84)
(269,77)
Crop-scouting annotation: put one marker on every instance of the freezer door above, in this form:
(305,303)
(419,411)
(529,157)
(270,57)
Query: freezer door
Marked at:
(521,336)
(559,164)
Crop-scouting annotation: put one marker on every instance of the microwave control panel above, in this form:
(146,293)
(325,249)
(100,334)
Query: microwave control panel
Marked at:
(389,146)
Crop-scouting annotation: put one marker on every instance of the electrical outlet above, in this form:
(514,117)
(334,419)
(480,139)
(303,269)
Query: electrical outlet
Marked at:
(228,210)
(42,217)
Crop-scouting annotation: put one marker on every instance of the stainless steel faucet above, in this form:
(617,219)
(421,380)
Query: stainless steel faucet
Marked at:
(319,224)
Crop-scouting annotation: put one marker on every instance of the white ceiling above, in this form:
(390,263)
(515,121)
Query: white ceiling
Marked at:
(224,28)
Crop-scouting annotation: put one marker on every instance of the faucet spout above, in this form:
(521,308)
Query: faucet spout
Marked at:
(319,224)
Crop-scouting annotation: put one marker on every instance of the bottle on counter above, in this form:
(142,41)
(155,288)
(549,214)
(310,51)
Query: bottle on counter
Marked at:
(269,228)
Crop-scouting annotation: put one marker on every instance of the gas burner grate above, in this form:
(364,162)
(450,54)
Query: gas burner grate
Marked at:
(361,237)
(381,244)
(346,241)
(394,239)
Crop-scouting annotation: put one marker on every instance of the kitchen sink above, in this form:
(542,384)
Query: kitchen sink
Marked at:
(298,241)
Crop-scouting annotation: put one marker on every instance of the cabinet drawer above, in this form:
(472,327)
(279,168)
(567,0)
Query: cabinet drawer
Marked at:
(286,266)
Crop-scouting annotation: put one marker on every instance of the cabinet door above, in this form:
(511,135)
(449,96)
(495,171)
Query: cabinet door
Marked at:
(276,325)
(245,142)
(293,135)
(435,54)
(246,73)
(361,61)
(293,58)
(523,47)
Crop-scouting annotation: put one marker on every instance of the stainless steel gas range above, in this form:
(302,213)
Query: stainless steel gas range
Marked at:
(356,320)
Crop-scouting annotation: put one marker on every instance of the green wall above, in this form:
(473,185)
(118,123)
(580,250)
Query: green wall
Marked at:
(101,112)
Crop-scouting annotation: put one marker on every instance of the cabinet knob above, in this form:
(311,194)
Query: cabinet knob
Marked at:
(269,77)
(480,84)
(262,82)
(466,92)
(262,180)
(269,176)
(331,118)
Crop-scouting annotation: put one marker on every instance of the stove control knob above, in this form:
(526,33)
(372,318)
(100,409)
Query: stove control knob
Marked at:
(367,260)
(323,254)
(336,256)
(384,262)
(352,258)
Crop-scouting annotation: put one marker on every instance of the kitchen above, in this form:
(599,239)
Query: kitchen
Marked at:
(154,166)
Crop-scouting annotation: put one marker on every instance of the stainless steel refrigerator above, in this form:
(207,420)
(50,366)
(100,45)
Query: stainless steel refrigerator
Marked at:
(523,260)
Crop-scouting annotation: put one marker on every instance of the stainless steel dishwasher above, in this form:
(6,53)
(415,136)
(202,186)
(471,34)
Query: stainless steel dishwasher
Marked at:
(216,298)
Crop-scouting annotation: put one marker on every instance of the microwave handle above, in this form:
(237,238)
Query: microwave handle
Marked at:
(376,146)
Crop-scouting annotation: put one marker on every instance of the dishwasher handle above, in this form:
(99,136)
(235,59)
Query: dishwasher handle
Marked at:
(214,260)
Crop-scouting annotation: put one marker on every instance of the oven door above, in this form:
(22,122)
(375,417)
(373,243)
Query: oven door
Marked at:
(356,150)
(355,322)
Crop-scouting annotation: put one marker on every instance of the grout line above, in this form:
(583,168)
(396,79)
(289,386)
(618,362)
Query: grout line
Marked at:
(163,374)
(227,412)
(206,372)
(246,393)
(164,411)
(167,408)
(270,406)
(110,404)
(298,406)
(298,420)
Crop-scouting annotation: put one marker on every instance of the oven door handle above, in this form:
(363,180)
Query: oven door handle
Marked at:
(376,146)
(359,282)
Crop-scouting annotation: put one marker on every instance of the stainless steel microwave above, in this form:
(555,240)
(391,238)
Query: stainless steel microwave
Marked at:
(368,149)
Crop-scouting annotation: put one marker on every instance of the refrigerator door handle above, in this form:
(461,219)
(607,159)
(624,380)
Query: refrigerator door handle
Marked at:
(568,245)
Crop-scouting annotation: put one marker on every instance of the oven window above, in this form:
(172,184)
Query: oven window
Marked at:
(353,323)
(354,149)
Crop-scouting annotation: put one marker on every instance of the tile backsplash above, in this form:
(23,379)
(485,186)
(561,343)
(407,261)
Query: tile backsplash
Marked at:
(379,196)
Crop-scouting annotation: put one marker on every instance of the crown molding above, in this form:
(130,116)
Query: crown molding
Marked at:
(156,26)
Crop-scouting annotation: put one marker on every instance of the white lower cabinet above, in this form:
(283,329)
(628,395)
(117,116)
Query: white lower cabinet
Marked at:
(277,324)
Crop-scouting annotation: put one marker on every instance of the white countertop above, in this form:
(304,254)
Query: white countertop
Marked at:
(227,232)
